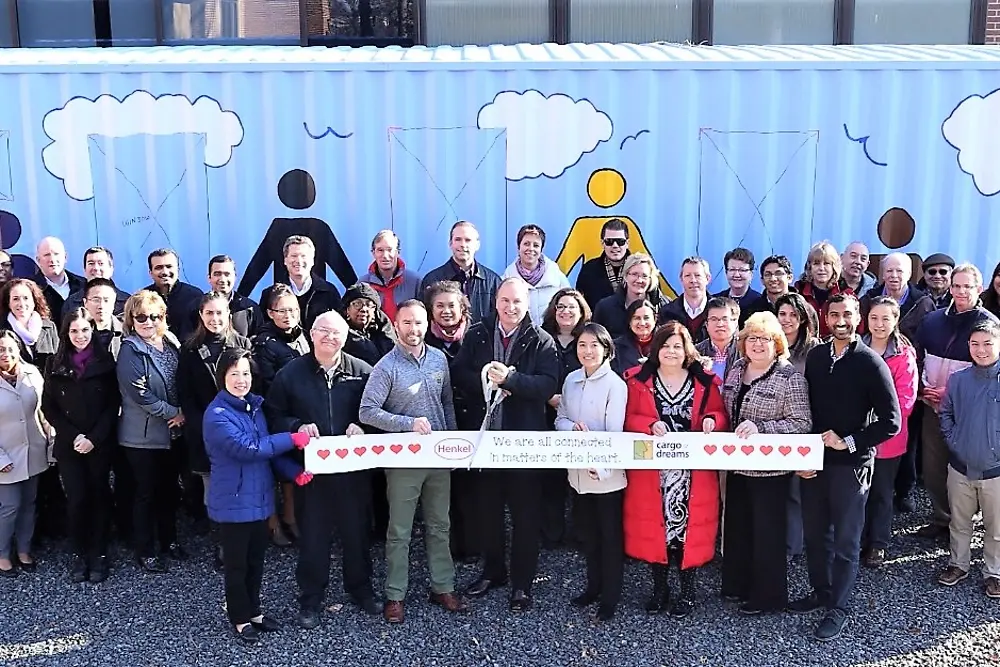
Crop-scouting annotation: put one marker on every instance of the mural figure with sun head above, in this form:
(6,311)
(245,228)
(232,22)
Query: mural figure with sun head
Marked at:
(605,188)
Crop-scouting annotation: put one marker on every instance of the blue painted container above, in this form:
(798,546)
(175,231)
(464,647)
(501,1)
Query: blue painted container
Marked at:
(702,148)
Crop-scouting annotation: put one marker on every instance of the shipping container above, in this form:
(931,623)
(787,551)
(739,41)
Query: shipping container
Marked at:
(699,149)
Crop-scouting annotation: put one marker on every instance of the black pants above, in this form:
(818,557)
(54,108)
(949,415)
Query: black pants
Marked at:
(243,546)
(123,492)
(51,505)
(341,501)
(906,476)
(555,487)
(86,479)
(465,540)
(521,490)
(833,509)
(154,510)
(879,509)
(380,504)
(756,527)
(603,542)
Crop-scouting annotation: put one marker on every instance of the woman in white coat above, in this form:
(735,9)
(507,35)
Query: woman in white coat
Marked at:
(24,453)
(593,399)
(542,274)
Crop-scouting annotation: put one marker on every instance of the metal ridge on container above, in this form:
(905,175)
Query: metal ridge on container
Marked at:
(508,57)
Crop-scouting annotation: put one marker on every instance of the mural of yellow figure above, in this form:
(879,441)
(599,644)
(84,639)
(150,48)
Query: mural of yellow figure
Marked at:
(606,188)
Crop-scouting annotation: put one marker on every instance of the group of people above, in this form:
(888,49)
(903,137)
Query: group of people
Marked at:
(119,409)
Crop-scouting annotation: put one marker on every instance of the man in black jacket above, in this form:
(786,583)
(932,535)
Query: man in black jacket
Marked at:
(523,361)
(478,282)
(182,299)
(855,408)
(53,279)
(244,313)
(320,394)
(777,277)
(98,262)
(602,276)
(316,296)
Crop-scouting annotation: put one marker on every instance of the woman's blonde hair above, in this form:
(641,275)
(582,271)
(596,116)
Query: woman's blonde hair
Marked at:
(150,301)
(764,324)
(823,250)
(642,258)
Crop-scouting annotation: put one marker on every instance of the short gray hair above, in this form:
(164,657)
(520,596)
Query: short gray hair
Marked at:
(384,234)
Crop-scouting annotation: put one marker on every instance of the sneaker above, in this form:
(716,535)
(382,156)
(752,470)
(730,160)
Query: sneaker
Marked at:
(952,575)
(806,605)
(831,626)
(993,588)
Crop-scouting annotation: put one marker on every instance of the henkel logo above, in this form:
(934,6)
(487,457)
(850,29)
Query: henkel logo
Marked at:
(454,449)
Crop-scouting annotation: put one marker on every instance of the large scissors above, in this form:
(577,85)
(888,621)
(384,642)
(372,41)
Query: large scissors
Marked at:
(493,395)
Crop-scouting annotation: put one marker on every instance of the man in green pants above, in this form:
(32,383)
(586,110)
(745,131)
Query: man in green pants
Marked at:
(410,390)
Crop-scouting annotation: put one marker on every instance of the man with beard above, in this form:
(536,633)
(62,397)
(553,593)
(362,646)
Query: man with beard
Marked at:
(522,360)
(937,278)
(182,299)
(53,279)
(855,408)
(409,390)
(98,262)
(855,260)
(244,313)
(371,335)
(478,282)
(602,276)
(388,274)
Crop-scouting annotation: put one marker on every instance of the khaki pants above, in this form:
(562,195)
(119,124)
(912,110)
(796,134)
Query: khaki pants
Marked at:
(967,497)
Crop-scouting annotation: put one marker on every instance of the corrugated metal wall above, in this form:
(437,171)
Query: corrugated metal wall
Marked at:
(711,158)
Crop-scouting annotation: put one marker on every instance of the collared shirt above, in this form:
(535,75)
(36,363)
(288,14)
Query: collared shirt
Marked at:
(720,358)
(506,338)
(306,286)
(331,370)
(695,311)
(62,289)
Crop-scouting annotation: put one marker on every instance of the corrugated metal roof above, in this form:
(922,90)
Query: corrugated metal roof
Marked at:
(520,56)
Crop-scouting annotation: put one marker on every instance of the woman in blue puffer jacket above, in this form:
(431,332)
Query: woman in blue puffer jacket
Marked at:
(241,488)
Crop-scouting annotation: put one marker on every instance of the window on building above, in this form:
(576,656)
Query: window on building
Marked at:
(773,22)
(912,21)
(361,22)
(630,21)
(485,22)
(231,21)
(51,23)
(8,24)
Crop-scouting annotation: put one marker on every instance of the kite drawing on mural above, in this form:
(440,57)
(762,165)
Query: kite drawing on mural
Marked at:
(972,130)
(605,188)
(545,135)
(143,160)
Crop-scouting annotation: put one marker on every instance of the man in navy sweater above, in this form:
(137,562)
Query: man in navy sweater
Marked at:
(855,408)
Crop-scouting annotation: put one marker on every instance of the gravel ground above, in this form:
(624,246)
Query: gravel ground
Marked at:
(901,618)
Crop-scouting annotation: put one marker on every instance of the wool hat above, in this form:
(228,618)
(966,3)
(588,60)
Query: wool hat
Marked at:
(361,291)
(938,258)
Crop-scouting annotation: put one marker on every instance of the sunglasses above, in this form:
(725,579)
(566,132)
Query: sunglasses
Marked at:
(937,272)
(618,242)
(142,317)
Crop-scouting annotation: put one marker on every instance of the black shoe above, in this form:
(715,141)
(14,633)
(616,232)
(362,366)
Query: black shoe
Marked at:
(831,626)
(30,566)
(483,586)
(751,609)
(98,569)
(933,531)
(905,505)
(588,598)
(78,571)
(682,607)
(657,603)
(520,601)
(153,564)
(266,624)
(308,619)
(201,526)
(175,552)
(219,564)
(9,574)
(248,634)
(605,612)
(806,605)
(367,605)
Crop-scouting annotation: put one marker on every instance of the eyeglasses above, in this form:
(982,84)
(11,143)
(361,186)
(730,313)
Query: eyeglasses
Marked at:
(143,317)
(5,265)
(720,320)
(284,311)
(618,242)
(937,272)
(737,270)
(633,274)
(753,340)
(771,275)
(563,307)
(324,333)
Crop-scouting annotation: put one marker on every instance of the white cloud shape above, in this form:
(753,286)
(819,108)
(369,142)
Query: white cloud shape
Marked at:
(973,128)
(545,135)
(68,159)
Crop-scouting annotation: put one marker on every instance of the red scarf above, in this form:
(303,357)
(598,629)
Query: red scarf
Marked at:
(454,337)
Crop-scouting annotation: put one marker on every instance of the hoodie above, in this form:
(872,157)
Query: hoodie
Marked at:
(970,421)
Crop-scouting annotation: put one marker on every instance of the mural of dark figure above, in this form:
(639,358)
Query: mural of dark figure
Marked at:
(297,190)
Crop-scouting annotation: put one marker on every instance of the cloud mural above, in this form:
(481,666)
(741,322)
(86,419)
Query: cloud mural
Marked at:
(972,129)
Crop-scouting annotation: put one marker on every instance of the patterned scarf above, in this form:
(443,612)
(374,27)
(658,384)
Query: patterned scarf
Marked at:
(614,272)
(533,276)
(456,335)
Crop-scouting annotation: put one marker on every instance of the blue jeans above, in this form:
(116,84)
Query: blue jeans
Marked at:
(833,509)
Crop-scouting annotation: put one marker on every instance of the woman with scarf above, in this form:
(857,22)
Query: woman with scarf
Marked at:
(449,310)
(81,401)
(196,377)
(632,348)
(564,319)
(542,274)
(24,453)
(280,340)
(900,356)
(672,515)
(821,279)
(640,282)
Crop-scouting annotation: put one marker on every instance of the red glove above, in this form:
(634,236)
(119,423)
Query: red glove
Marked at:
(300,440)
(303,478)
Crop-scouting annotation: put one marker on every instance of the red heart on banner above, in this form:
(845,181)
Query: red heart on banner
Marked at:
(747,449)
(729,449)
(396,449)
(360,451)
(766,449)
(414,447)
(342,453)
(710,449)
(378,449)
(323,454)
(785,450)
(804,450)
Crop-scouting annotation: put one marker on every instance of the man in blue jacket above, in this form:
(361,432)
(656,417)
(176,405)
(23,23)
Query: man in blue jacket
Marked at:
(970,421)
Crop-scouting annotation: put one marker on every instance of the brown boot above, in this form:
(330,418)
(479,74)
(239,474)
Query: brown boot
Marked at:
(393,611)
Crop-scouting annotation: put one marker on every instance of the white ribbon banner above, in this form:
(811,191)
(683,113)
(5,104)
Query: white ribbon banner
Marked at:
(564,449)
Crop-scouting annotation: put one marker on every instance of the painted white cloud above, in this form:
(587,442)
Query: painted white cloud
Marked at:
(545,135)
(973,128)
(67,157)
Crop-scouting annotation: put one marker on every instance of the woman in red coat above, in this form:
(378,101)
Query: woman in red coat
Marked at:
(672,515)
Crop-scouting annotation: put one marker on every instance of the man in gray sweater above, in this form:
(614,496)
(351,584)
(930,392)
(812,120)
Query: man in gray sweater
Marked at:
(970,423)
(410,390)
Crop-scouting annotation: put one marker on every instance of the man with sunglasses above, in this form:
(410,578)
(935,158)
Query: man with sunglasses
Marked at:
(936,280)
(602,276)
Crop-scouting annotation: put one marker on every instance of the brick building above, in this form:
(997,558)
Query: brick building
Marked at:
(993,22)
